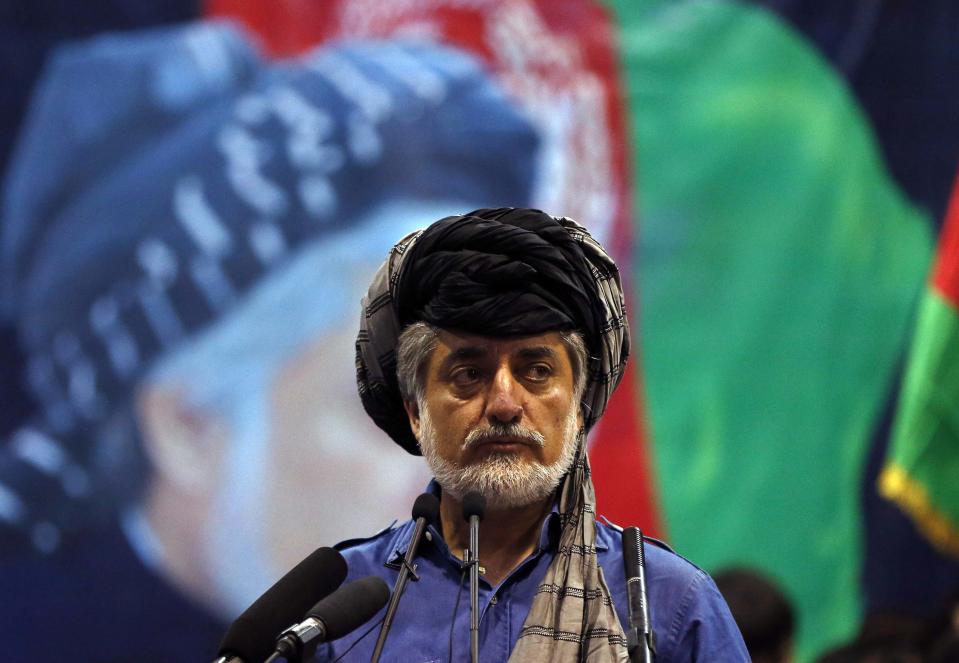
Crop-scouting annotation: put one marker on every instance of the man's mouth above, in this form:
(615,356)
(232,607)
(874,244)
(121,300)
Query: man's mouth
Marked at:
(504,438)
(503,443)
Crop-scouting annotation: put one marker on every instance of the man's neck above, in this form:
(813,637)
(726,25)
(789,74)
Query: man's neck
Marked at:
(507,536)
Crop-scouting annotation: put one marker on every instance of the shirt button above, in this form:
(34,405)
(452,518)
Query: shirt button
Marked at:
(493,600)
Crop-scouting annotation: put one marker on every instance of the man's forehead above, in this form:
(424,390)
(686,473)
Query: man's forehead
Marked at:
(458,342)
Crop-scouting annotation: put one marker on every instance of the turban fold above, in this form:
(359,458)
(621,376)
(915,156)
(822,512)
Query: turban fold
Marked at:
(492,272)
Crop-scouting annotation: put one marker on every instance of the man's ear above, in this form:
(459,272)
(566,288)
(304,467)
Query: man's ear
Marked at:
(413,412)
(184,443)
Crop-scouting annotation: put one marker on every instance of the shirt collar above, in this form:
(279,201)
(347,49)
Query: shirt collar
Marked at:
(548,536)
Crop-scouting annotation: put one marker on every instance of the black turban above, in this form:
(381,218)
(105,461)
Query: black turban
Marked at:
(492,272)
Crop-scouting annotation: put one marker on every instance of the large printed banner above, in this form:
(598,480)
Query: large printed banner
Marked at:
(192,212)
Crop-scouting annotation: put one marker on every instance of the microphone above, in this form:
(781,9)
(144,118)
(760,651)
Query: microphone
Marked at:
(474,508)
(250,638)
(640,639)
(339,613)
(426,510)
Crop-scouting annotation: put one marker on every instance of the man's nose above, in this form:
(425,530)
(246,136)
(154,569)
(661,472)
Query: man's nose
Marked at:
(503,405)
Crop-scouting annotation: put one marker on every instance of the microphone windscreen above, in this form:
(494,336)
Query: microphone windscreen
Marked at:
(474,504)
(632,551)
(351,606)
(252,636)
(427,506)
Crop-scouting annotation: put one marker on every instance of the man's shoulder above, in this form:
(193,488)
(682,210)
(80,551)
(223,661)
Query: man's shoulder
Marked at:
(377,550)
(690,617)
(661,560)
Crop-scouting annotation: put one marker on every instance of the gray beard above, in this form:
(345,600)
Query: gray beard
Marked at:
(504,479)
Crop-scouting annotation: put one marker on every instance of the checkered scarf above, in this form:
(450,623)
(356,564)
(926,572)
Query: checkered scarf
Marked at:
(572,617)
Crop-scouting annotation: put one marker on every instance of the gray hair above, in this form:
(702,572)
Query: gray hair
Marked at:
(417,342)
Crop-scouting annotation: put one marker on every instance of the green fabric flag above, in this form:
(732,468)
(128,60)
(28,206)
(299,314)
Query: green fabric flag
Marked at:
(778,267)
(922,470)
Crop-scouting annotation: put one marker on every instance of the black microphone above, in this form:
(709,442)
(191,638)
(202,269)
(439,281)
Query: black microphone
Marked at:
(474,508)
(640,639)
(344,610)
(426,510)
(250,638)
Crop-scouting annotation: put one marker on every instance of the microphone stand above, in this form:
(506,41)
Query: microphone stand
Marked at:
(473,555)
(474,507)
(425,510)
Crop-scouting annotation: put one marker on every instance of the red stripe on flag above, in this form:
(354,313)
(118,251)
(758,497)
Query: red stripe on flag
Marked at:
(284,28)
(622,471)
(945,276)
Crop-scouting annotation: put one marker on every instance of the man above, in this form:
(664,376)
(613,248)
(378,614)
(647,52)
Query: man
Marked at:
(490,343)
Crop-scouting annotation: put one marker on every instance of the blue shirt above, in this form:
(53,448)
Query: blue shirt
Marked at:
(689,616)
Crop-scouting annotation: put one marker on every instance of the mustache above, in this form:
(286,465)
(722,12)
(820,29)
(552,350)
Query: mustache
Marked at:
(494,432)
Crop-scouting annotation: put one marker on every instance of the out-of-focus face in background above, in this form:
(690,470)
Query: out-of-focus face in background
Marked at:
(259,447)
(317,424)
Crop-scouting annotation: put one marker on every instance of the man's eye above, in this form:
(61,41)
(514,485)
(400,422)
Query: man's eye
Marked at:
(539,372)
(465,375)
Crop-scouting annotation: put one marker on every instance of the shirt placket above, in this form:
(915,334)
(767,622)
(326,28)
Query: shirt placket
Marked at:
(496,604)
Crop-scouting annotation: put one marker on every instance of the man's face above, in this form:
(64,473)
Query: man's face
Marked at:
(498,415)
